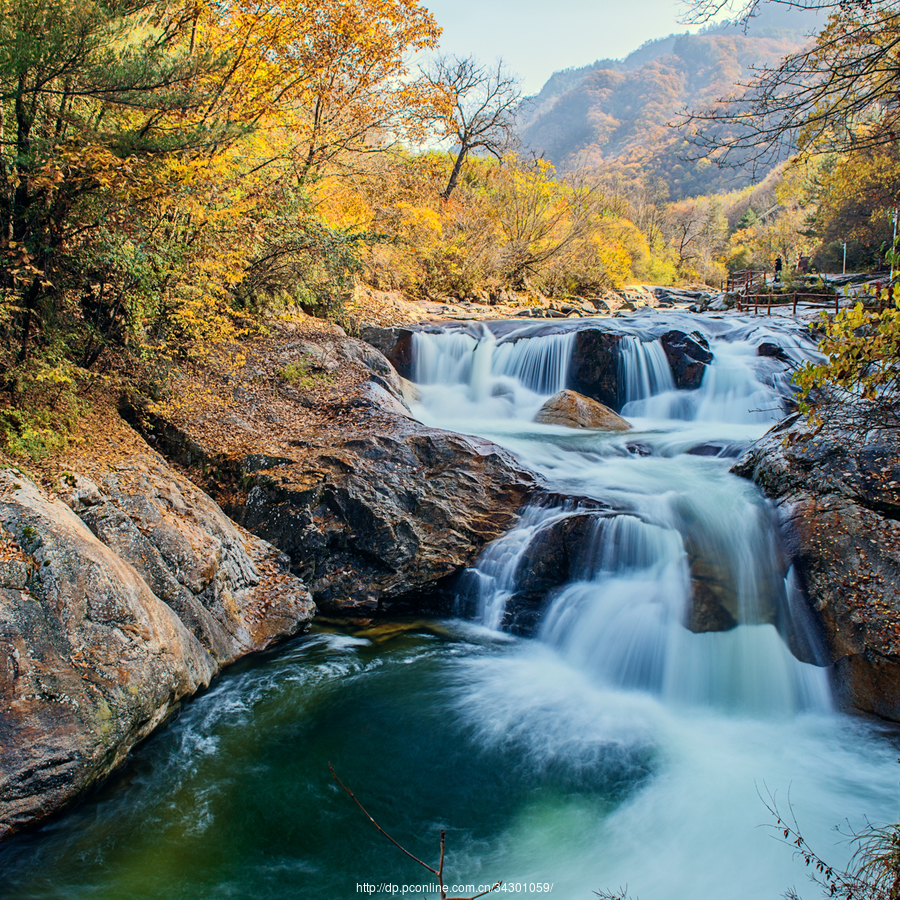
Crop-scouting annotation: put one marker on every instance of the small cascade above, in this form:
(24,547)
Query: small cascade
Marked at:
(444,358)
(541,365)
(487,377)
(644,370)
(636,585)
(732,390)
(484,590)
(615,621)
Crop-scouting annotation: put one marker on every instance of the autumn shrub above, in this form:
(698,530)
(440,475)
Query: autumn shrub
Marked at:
(512,224)
(862,350)
(43,408)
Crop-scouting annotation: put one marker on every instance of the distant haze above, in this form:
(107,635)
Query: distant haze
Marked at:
(537,39)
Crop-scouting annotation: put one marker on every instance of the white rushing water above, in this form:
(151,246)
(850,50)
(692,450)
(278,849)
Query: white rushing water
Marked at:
(726,714)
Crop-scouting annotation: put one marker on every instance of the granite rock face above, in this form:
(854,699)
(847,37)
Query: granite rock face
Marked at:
(837,488)
(113,609)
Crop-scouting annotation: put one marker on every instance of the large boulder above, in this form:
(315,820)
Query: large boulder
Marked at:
(228,587)
(837,487)
(573,410)
(115,605)
(594,367)
(378,519)
(373,508)
(688,356)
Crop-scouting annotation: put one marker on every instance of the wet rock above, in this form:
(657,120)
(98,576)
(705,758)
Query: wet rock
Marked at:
(594,367)
(773,351)
(639,449)
(396,344)
(108,621)
(688,357)
(837,489)
(554,557)
(713,605)
(729,449)
(573,410)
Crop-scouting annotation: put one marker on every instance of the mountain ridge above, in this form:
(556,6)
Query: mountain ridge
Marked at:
(615,115)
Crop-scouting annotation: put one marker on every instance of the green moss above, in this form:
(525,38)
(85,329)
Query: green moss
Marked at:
(300,375)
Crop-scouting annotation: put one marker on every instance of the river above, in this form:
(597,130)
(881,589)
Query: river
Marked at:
(612,747)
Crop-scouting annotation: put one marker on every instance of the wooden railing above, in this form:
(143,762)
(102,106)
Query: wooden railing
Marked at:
(756,302)
(746,281)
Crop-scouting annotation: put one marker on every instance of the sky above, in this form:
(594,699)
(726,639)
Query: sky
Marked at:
(539,37)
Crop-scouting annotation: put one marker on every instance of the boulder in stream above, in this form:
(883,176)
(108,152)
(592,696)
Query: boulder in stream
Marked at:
(376,520)
(688,356)
(554,557)
(574,410)
(594,367)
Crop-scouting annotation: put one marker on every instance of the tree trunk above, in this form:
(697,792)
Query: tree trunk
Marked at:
(454,175)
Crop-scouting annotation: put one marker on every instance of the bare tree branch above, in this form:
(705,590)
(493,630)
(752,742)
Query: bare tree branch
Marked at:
(838,95)
(438,872)
(483,108)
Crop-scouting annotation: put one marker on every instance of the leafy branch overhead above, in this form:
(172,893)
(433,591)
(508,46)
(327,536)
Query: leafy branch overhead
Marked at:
(159,161)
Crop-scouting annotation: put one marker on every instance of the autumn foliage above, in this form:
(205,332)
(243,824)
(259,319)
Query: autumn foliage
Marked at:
(171,171)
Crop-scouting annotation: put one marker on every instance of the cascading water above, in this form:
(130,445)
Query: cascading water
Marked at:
(644,370)
(507,378)
(676,624)
(688,533)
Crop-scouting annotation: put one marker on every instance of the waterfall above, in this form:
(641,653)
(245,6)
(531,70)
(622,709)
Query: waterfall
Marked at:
(485,589)
(644,368)
(681,589)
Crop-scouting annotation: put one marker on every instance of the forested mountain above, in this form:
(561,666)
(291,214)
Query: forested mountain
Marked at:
(616,114)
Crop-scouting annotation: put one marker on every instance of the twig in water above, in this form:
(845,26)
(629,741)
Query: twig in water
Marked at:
(438,872)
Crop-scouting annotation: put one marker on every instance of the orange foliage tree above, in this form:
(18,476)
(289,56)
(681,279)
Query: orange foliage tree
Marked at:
(157,159)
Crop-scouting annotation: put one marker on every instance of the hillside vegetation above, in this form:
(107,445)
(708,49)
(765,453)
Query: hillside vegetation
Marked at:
(616,114)
(173,175)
